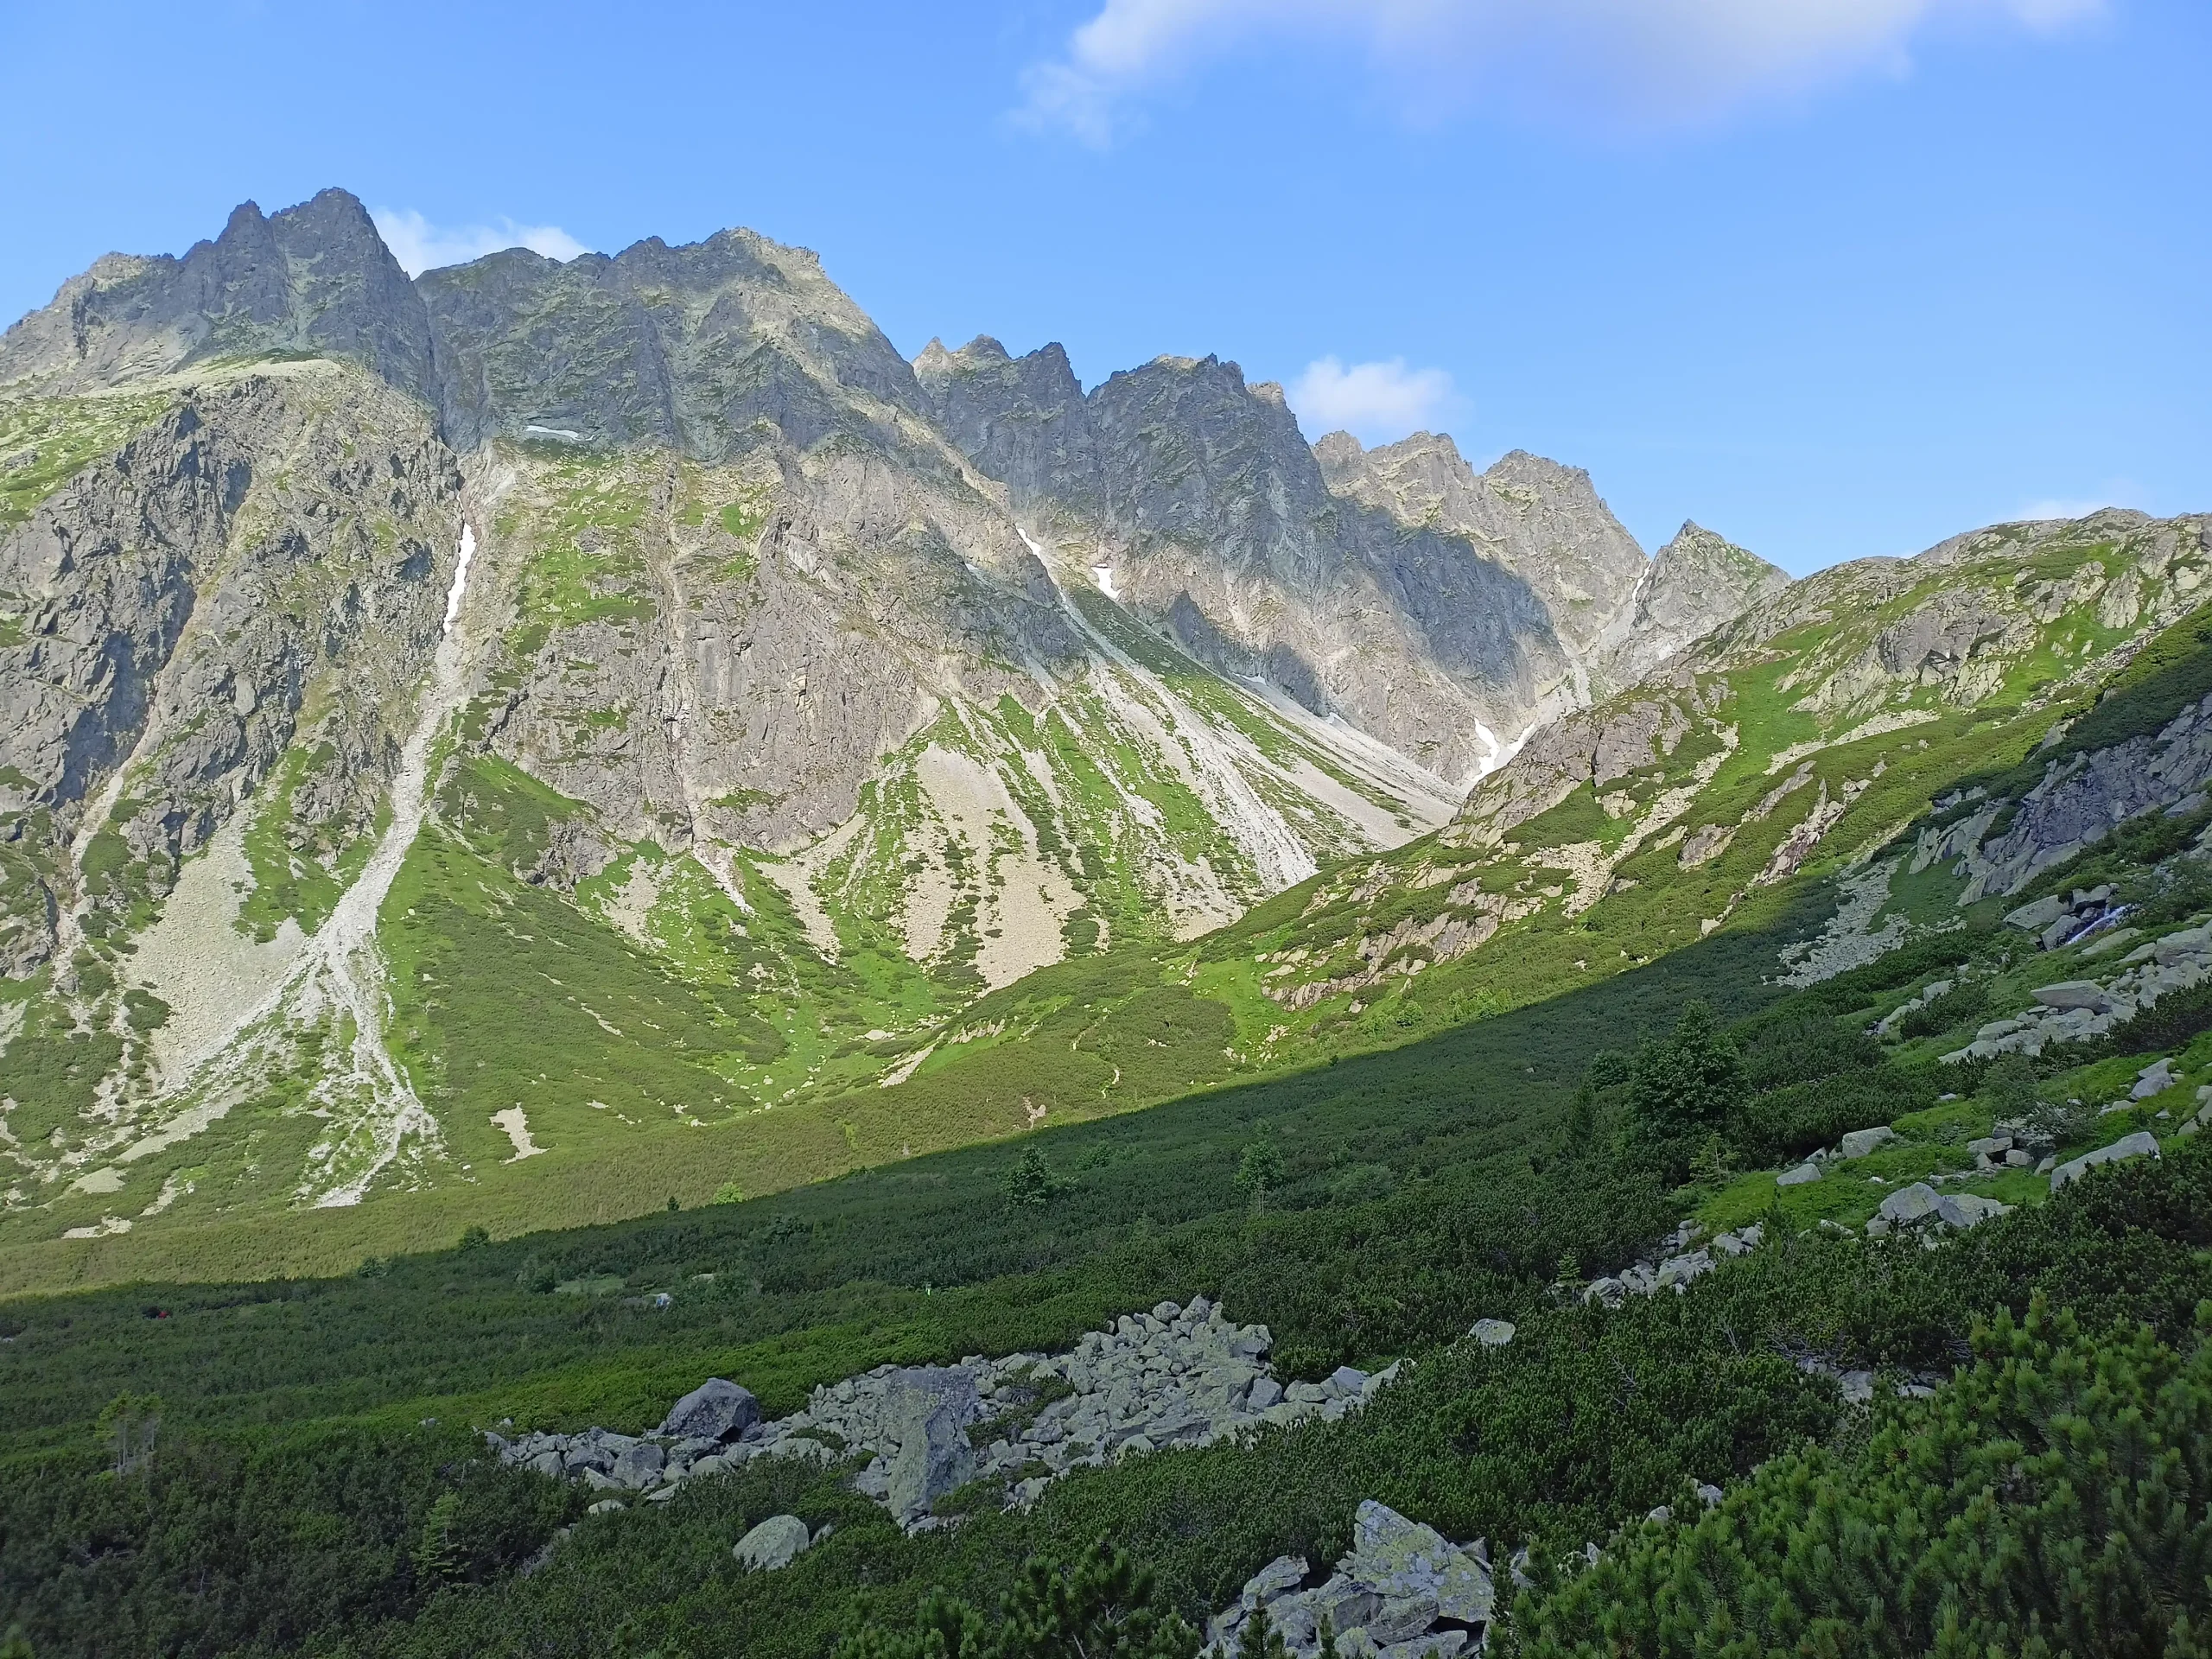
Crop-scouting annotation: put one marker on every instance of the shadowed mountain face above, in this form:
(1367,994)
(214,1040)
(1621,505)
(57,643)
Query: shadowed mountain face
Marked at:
(1195,498)
(1445,612)
(315,280)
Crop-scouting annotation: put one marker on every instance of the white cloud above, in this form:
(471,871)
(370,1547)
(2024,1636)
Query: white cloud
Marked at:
(1633,62)
(420,245)
(1377,402)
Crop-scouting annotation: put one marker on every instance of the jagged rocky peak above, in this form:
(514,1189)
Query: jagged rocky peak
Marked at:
(1544,522)
(1698,582)
(691,347)
(1020,420)
(313,279)
(1194,497)
(1194,456)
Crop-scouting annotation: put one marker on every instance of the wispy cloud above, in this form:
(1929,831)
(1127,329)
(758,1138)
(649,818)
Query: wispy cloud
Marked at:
(420,245)
(1632,61)
(1377,402)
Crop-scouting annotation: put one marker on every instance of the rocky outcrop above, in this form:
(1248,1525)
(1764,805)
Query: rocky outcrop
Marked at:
(2077,804)
(2075,1010)
(1598,746)
(1176,1376)
(1696,582)
(1402,1591)
(1679,1261)
(274,549)
(2141,1144)
(314,280)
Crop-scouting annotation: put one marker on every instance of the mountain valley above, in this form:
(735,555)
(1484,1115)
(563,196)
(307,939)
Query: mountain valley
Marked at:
(672,986)
(814,706)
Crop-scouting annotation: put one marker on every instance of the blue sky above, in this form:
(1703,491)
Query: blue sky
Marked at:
(1833,277)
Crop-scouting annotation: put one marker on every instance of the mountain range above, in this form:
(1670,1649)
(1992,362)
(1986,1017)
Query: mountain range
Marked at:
(519,743)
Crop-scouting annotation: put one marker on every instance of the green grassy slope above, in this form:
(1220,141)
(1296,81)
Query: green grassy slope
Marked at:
(312,1429)
(318,1429)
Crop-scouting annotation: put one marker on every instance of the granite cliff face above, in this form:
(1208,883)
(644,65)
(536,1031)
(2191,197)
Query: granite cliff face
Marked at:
(255,573)
(315,280)
(1447,613)
(1192,497)
(1696,582)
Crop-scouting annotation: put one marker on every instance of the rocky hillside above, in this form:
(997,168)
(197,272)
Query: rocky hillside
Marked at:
(754,702)
(1446,614)
(473,737)
(1800,739)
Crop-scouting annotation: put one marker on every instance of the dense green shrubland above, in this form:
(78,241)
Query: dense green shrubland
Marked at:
(2052,1500)
(294,1498)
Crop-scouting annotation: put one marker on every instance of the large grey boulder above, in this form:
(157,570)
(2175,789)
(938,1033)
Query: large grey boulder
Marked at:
(2034,917)
(775,1543)
(1406,1561)
(1859,1142)
(716,1410)
(2141,1144)
(927,1409)
(639,1466)
(1911,1204)
(2074,993)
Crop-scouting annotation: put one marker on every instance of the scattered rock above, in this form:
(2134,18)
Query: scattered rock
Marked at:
(1799,1176)
(2153,1079)
(2141,1144)
(775,1543)
(716,1410)
(1402,1589)
(1492,1333)
(1170,1378)
(1859,1142)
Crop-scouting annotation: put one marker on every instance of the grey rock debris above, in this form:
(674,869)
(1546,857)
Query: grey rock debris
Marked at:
(1174,1377)
(717,1409)
(1402,1589)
